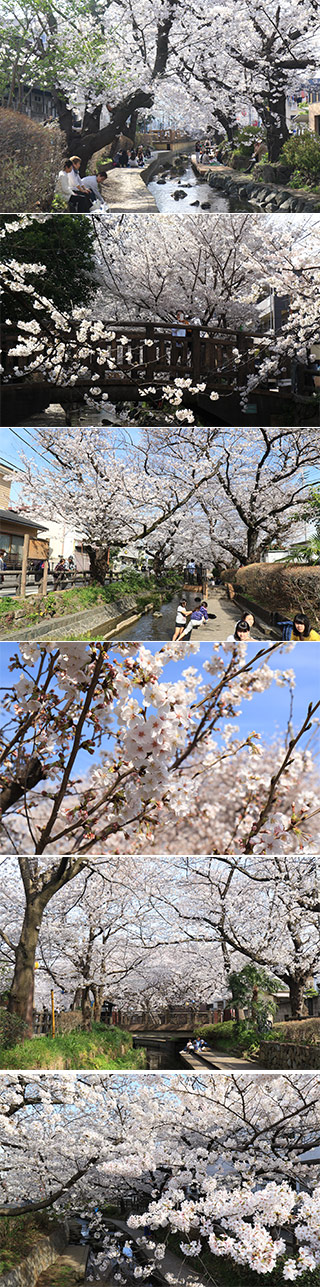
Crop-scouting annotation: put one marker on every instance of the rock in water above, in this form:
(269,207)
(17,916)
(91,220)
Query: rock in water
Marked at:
(179,194)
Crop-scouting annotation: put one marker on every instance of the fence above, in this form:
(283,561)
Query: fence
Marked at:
(65,1021)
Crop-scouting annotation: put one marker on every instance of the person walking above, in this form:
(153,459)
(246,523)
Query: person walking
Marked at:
(199,576)
(59,572)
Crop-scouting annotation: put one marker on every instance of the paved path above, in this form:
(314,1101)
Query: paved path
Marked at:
(170,1265)
(227,615)
(124,190)
(219,1063)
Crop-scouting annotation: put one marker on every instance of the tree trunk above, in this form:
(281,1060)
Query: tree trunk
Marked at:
(132,127)
(99,563)
(91,138)
(22,987)
(276,125)
(86,1010)
(297,1003)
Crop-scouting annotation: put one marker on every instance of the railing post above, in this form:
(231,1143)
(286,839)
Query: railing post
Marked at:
(196,353)
(44,582)
(25,556)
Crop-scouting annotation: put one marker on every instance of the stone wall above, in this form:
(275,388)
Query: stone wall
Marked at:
(267,195)
(280,1054)
(43,1254)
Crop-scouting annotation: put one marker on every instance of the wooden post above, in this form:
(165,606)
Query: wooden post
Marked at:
(44,582)
(196,353)
(25,556)
(53,1020)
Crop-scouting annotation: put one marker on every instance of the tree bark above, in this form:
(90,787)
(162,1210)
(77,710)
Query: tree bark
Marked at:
(13,791)
(99,563)
(275,123)
(91,138)
(22,989)
(296,987)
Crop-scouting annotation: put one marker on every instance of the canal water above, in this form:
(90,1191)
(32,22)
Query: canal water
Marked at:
(153,627)
(195,191)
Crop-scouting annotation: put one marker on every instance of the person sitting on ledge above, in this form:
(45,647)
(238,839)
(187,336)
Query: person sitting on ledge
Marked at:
(81,195)
(301,629)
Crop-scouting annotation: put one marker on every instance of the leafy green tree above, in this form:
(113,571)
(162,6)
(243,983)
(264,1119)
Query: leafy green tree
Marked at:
(64,245)
(253,986)
(315,506)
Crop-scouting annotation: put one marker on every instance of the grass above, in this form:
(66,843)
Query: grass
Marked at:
(58,1275)
(79,598)
(103,1047)
(18,1234)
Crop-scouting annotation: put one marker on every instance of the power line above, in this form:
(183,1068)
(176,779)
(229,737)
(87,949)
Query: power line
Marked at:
(28,444)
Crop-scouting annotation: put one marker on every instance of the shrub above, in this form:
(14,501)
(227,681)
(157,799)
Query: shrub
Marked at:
(12,1028)
(281,588)
(30,158)
(247,138)
(302,153)
(301,1031)
(231,1036)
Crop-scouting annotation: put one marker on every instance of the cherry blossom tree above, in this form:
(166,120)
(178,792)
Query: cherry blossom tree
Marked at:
(109,63)
(207,1157)
(113,933)
(229,494)
(218,277)
(170,755)
(282,934)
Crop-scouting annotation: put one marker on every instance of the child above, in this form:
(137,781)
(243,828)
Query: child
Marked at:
(181,619)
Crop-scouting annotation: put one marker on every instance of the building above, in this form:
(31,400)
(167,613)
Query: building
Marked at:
(273,312)
(60,539)
(36,103)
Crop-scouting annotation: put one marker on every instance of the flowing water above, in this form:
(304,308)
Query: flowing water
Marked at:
(153,627)
(196,190)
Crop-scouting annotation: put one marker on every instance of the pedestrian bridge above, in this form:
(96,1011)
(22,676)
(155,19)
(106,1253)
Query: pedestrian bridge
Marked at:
(151,353)
(144,355)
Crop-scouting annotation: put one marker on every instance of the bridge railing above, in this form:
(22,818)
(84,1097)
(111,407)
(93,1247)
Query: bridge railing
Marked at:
(161,353)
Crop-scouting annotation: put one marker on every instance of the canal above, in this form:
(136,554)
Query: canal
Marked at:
(198,193)
(153,626)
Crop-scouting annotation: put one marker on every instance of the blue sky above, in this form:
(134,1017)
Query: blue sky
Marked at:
(14,441)
(267,713)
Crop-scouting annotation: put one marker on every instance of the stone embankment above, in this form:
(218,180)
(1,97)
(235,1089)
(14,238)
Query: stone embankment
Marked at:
(265,194)
(44,1253)
(291,1054)
(110,617)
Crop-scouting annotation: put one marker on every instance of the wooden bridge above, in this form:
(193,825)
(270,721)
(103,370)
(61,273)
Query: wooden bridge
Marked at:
(145,355)
(159,353)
